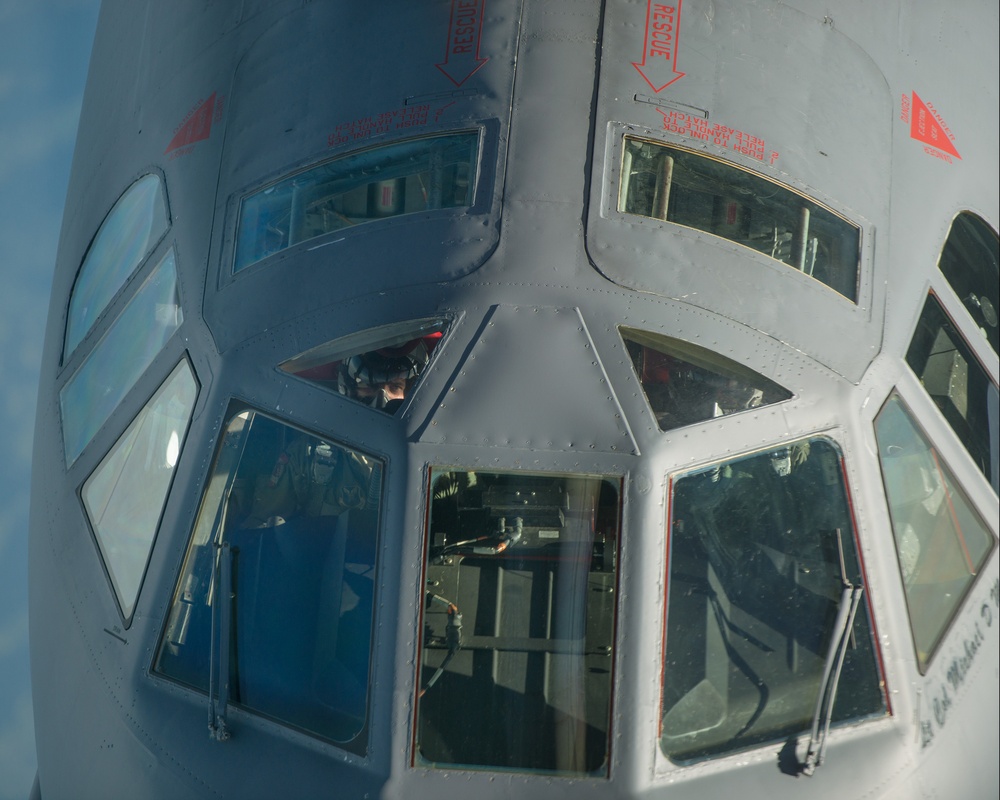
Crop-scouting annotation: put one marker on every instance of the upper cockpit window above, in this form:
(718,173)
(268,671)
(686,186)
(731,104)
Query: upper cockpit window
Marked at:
(941,541)
(959,386)
(124,496)
(711,195)
(275,605)
(685,384)
(379,367)
(128,234)
(765,609)
(121,356)
(425,174)
(518,622)
(970,261)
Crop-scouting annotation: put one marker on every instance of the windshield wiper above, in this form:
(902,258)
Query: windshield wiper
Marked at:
(847,608)
(218,670)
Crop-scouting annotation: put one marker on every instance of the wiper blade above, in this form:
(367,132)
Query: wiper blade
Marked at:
(850,599)
(218,671)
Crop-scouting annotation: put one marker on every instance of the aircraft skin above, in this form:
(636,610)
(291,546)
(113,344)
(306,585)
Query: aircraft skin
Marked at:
(884,114)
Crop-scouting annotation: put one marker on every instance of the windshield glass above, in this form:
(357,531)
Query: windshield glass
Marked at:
(518,621)
(126,237)
(118,360)
(125,495)
(298,516)
(760,549)
(941,541)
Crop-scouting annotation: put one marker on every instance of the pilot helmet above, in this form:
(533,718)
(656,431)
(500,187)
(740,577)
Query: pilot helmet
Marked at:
(380,378)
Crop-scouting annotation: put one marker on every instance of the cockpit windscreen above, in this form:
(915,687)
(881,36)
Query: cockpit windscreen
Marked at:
(518,625)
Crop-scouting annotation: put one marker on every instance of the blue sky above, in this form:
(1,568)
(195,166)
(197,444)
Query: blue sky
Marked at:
(44,52)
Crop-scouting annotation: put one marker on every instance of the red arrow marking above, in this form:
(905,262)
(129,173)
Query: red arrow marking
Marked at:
(659,45)
(927,127)
(465,30)
(197,126)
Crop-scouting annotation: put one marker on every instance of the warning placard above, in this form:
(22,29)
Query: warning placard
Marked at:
(196,127)
(927,127)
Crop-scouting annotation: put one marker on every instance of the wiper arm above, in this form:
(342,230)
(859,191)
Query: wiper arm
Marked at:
(218,671)
(850,599)
(843,627)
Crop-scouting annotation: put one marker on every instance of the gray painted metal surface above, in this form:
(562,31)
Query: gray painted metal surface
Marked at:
(535,278)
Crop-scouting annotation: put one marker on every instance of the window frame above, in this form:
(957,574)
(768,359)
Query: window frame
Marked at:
(973,361)
(962,301)
(127,618)
(946,453)
(416,759)
(150,271)
(867,605)
(616,200)
(366,342)
(481,188)
(88,336)
(358,745)
(697,356)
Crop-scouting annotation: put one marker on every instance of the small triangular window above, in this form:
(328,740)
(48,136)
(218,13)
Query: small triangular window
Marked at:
(685,383)
(379,367)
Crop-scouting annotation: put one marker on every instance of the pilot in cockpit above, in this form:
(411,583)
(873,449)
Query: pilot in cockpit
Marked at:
(381,378)
(311,478)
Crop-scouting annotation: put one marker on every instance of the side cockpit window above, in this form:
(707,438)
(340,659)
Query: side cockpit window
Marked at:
(124,307)
(768,629)
(518,622)
(970,261)
(379,367)
(425,174)
(681,186)
(130,344)
(141,323)
(959,385)
(128,234)
(274,607)
(685,384)
(941,541)
(125,495)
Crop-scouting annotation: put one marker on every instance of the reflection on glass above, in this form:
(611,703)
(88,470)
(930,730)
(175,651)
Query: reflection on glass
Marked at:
(124,496)
(125,238)
(970,261)
(710,195)
(423,174)
(379,367)
(958,384)
(295,517)
(685,384)
(122,355)
(941,541)
(760,548)
(518,622)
